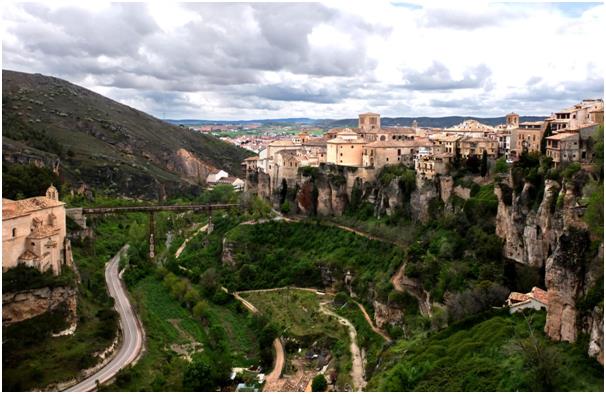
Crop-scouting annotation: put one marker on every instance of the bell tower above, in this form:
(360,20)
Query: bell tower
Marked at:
(369,121)
(52,193)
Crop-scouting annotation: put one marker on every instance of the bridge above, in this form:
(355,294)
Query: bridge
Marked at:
(79,215)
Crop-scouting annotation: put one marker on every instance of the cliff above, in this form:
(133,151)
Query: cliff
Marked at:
(23,305)
(548,232)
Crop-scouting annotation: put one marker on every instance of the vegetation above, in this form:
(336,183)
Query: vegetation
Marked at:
(490,352)
(319,383)
(23,277)
(41,359)
(19,181)
(279,254)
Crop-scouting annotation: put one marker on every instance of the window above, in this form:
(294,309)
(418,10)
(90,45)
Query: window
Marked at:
(399,152)
(33,244)
(14,232)
(341,154)
(352,147)
(387,159)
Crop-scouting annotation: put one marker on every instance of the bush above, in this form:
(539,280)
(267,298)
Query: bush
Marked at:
(501,166)
(319,384)
(285,207)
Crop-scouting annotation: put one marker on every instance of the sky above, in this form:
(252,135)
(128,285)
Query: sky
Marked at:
(319,60)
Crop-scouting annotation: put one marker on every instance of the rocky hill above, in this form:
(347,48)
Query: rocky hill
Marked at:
(94,141)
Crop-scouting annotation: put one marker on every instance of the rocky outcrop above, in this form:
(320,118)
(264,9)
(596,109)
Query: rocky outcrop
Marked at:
(421,198)
(388,198)
(190,166)
(563,278)
(24,305)
(387,315)
(227,256)
(548,232)
(596,334)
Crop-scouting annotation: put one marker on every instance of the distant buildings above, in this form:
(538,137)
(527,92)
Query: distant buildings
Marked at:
(34,233)
(369,147)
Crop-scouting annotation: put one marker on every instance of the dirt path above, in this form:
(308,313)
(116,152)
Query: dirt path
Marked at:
(274,375)
(184,244)
(402,283)
(357,361)
(371,323)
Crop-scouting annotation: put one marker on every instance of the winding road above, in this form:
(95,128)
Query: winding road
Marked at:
(132,332)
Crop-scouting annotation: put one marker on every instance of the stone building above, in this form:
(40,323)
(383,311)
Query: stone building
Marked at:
(346,149)
(381,153)
(34,233)
(512,120)
(476,146)
(565,148)
(527,137)
(587,113)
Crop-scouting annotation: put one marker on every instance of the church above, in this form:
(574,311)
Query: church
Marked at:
(34,233)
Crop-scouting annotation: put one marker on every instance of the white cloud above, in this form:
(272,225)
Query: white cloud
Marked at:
(280,60)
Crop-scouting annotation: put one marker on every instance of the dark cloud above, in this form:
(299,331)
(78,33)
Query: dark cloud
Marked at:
(438,77)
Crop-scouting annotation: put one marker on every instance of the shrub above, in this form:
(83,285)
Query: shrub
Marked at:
(319,384)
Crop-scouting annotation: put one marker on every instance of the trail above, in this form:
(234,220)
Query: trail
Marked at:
(402,283)
(274,375)
(371,323)
(357,361)
(184,244)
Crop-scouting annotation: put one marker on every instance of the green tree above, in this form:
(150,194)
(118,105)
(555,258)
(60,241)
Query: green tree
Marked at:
(200,310)
(484,164)
(501,166)
(319,383)
(200,376)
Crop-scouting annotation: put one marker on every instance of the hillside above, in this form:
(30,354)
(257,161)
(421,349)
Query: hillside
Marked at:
(106,145)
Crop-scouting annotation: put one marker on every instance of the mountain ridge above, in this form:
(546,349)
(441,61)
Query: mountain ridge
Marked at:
(94,142)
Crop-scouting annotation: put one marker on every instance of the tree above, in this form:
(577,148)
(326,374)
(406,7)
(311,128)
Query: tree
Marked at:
(200,310)
(319,383)
(472,164)
(209,280)
(285,207)
(283,191)
(191,296)
(484,164)
(200,376)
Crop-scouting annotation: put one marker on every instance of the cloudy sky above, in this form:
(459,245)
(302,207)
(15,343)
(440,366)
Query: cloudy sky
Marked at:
(328,60)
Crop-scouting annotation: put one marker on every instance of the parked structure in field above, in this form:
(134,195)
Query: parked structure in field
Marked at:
(34,233)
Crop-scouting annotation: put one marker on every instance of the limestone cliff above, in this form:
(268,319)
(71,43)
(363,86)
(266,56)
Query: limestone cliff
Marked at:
(548,232)
(23,305)
(190,166)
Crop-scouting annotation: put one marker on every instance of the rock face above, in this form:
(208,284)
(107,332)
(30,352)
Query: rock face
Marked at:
(420,200)
(596,334)
(24,305)
(190,166)
(227,257)
(563,278)
(384,315)
(553,237)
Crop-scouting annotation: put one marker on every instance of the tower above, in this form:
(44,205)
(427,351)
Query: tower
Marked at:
(512,119)
(369,121)
(52,193)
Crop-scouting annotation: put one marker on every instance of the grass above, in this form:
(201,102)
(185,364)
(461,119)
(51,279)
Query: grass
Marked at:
(296,311)
(160,369)
(481,354)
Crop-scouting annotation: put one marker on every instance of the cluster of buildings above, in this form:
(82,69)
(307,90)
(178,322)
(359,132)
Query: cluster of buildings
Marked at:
(221,177)
(34,233)
(431,151)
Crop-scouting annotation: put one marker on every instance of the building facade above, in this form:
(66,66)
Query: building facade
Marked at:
(34,233)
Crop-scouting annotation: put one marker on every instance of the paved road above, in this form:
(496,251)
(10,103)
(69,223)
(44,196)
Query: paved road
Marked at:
(132,334)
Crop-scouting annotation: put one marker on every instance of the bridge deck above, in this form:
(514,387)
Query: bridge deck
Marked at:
(158,208)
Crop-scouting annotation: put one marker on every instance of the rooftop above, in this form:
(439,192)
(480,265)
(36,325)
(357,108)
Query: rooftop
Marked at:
(563,136)
(12,209)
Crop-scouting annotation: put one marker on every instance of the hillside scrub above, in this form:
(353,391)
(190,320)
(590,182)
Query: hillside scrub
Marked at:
(278,254)
(490,352)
